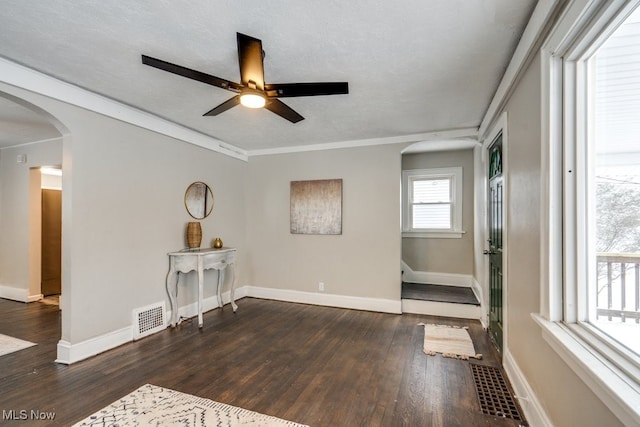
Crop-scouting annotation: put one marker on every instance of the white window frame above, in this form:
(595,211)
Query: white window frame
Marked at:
(452,173)
(608,369)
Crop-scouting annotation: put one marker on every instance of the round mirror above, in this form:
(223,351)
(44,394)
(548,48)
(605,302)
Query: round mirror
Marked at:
(198,199)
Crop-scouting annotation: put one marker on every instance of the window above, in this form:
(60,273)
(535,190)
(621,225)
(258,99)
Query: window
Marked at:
(432,202)
(591,216)
(613,187)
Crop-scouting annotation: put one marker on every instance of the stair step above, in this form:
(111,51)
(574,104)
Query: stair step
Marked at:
(439,293)
(440,300)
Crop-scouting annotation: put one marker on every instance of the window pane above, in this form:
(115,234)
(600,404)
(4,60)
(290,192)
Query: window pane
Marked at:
(432,216)
(432,191)
(614,304)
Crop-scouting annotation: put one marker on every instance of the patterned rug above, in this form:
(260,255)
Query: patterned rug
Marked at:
(10,344)
(450,341)
(151,405)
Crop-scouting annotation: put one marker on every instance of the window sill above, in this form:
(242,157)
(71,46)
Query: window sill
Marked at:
(434,234)
(617,390)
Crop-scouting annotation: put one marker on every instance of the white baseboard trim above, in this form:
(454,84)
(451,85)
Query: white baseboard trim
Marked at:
(14,294)
(330,300)
(533,410)
(209,303)
(288,295)
(477,290)
(484,312)
(70,353)
(434,278)
(18,294)
(442,309)
(34,298)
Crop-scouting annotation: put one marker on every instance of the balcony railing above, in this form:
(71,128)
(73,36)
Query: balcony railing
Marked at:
(618,295)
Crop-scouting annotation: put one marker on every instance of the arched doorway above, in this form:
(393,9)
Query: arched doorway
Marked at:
(30,139)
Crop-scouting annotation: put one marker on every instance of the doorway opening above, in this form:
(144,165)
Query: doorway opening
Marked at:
(51,250)
(46,233)
(437,209)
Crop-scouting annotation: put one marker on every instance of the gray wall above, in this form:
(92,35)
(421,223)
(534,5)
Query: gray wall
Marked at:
(566,399)
(123,210)
(441,255)
(365,260)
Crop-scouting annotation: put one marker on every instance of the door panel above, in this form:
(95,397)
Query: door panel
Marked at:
(51,268)
(496,220)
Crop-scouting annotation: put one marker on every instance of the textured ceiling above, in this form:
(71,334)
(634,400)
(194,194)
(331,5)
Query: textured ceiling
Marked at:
(414,66)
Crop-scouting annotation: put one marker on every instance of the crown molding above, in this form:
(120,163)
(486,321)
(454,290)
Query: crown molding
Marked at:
(37,82)
(402,139)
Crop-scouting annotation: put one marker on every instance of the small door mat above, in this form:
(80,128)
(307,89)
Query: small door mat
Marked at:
(450,341)
(493,393)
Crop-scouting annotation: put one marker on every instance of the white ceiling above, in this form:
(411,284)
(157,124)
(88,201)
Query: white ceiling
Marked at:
(20,125)
(415,66)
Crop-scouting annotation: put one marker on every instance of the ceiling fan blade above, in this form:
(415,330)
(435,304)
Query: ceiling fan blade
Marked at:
(250,60)
(229,103)
(283,110)
(191,74)
(288,90)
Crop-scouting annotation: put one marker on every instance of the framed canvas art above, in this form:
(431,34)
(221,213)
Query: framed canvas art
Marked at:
(316,206)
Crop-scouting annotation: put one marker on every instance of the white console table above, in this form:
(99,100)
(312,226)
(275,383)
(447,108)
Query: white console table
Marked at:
(199,260)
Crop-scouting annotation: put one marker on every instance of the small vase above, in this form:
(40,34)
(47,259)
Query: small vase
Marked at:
(194,235)
(217,243)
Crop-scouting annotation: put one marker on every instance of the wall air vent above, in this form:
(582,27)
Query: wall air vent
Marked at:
(149,320)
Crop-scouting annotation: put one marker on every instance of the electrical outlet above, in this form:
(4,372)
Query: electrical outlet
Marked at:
(321,286)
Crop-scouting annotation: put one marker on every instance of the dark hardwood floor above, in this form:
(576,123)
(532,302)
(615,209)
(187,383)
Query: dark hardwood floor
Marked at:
(314,365)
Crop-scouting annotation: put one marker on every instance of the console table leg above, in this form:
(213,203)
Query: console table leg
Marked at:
(200,291)
(233,286)
(172,280)
(220,284)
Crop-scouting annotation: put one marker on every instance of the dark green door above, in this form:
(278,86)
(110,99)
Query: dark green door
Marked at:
(496,196)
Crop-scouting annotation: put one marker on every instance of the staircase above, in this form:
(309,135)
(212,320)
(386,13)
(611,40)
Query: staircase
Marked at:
(440,300)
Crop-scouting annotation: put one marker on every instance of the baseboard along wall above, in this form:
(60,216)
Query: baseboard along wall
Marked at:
(18,294)
(533,410)
(70,353)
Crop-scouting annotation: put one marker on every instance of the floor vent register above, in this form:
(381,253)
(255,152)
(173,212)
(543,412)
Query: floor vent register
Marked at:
(494,395)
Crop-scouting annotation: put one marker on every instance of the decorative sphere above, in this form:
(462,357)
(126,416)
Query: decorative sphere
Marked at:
(217,243)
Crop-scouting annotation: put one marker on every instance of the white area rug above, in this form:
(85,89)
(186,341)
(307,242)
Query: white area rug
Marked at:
(450,341)
(151,405)
(10,344)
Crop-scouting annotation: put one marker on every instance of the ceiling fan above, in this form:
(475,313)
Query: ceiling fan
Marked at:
(252,91)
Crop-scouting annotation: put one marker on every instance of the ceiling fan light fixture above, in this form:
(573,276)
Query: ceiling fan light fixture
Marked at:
(252,91)
(251,99)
